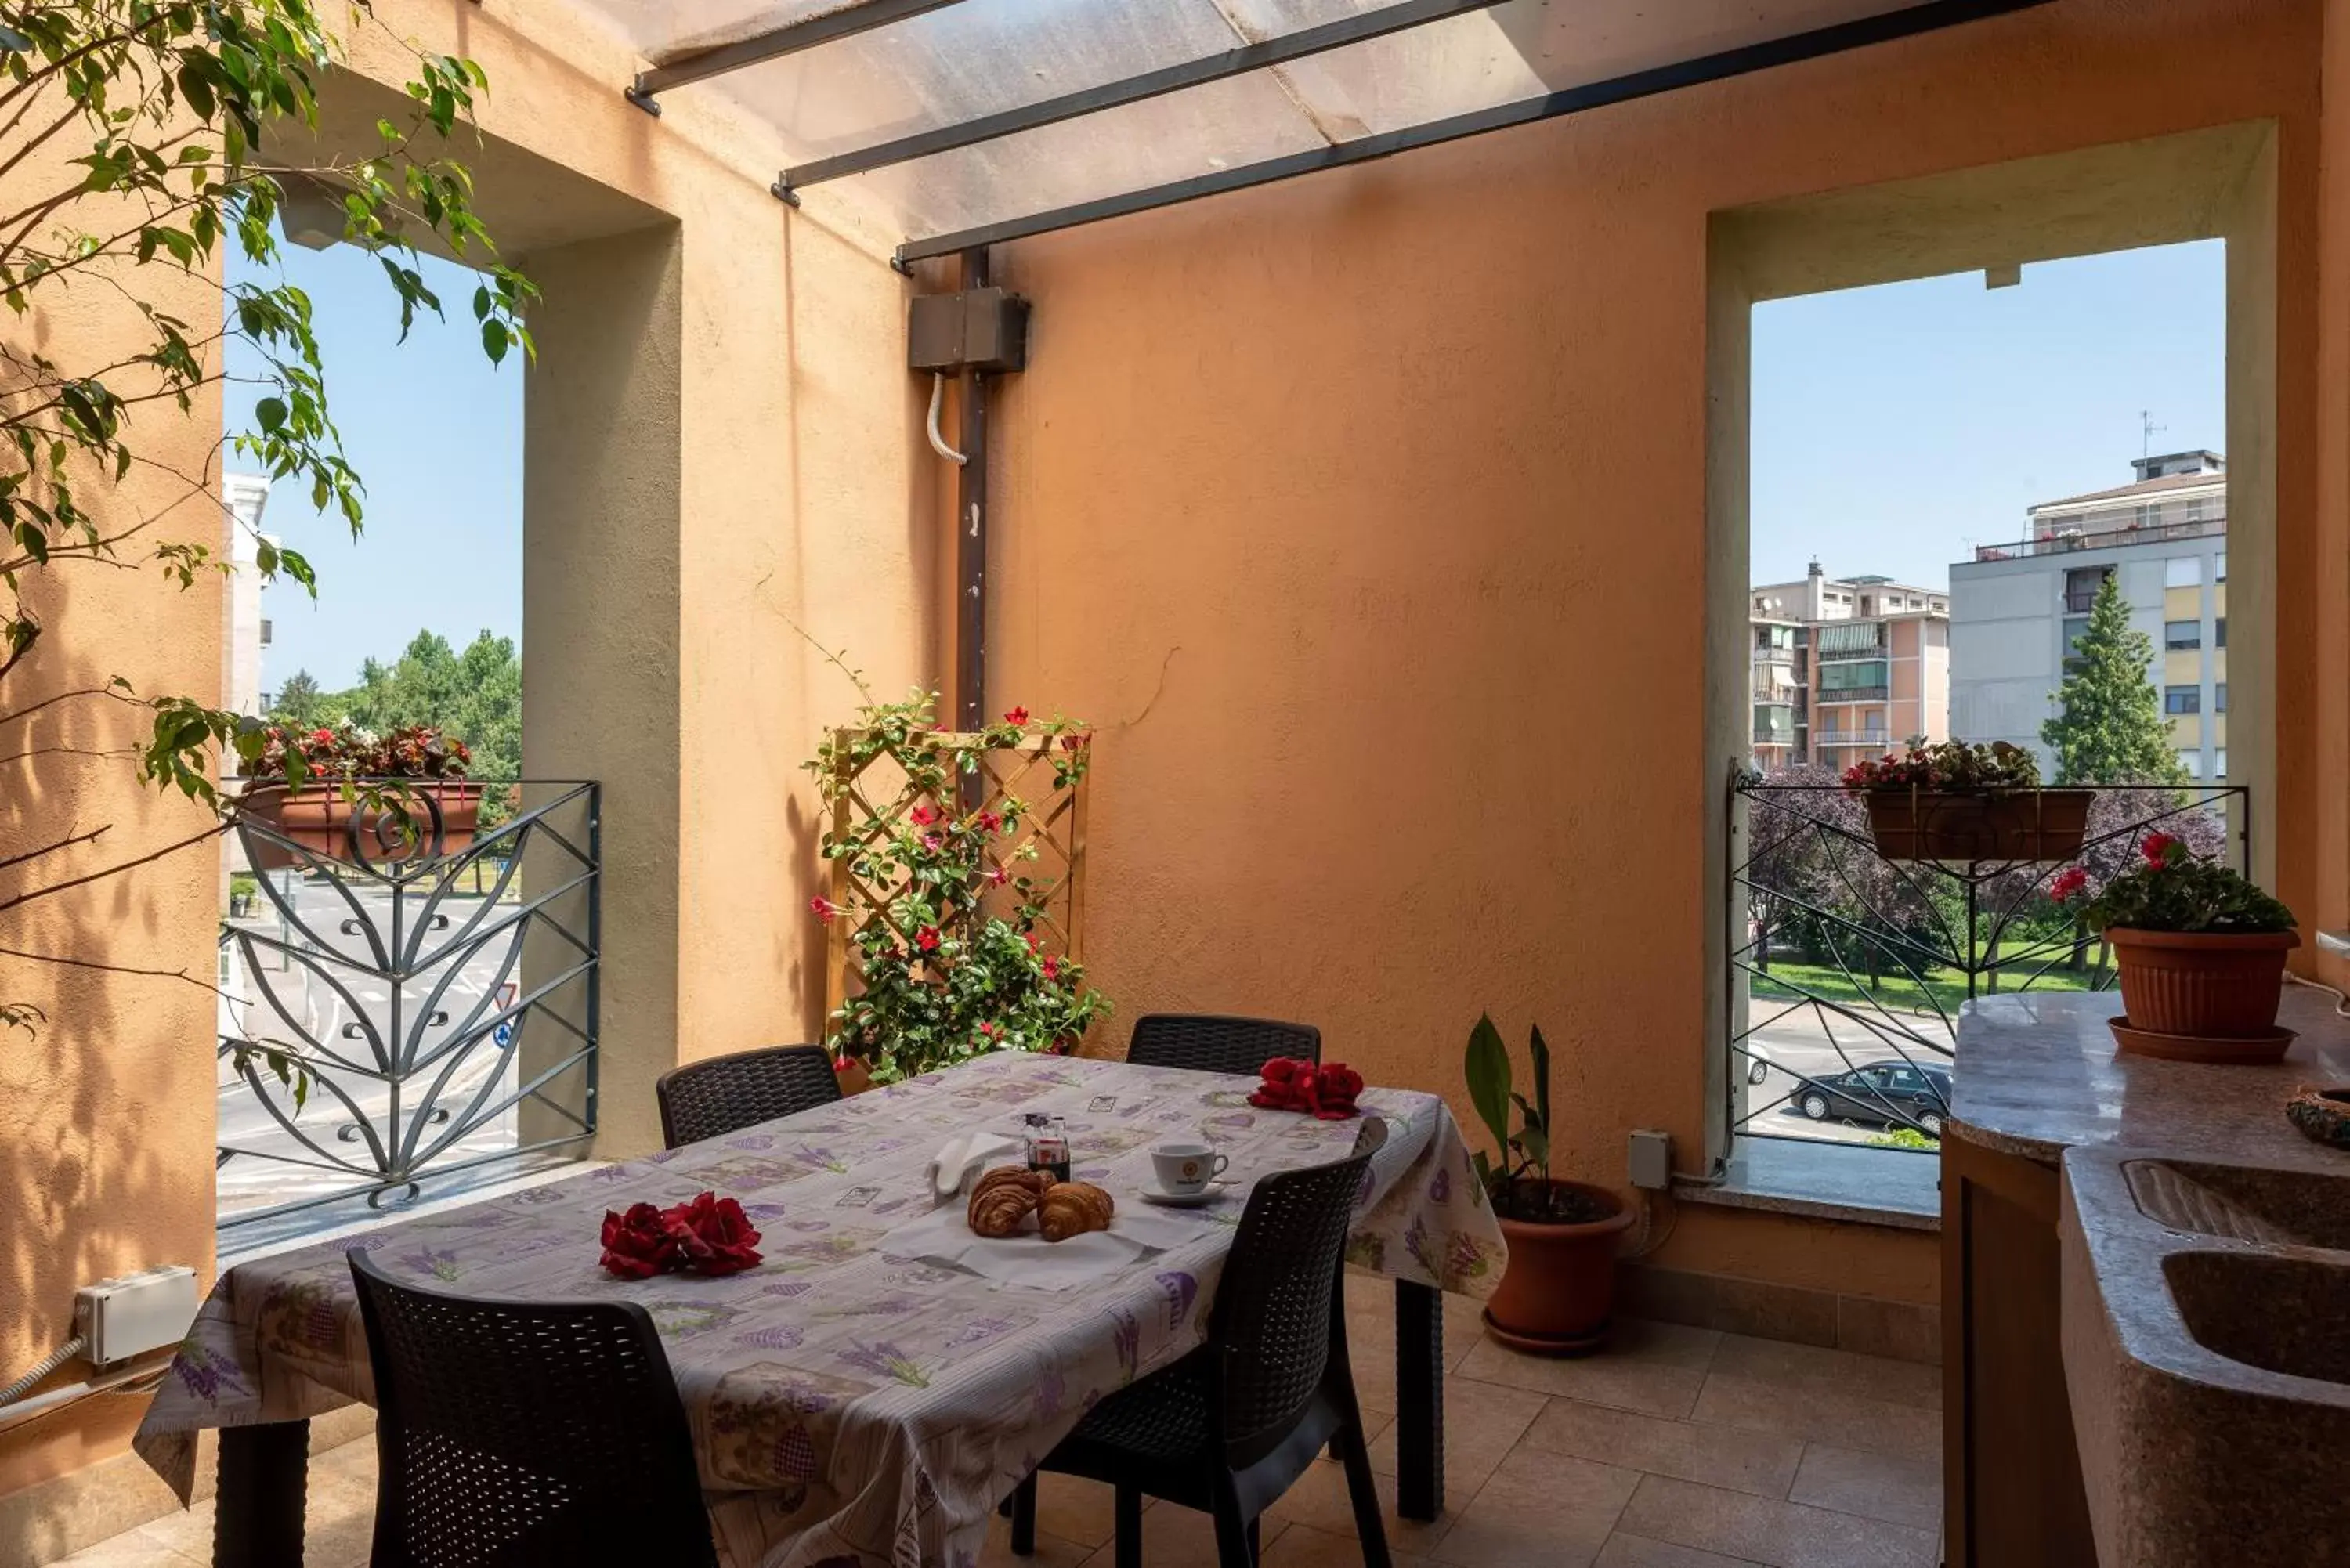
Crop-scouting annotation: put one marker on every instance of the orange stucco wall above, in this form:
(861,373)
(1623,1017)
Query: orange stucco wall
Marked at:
(1364,513)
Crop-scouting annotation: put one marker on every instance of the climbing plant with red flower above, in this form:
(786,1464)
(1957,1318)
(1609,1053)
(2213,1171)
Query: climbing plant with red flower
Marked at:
(951,907)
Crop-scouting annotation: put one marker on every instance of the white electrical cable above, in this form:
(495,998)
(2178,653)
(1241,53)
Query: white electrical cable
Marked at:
(939,443)
(2341,1002)
(48,1364)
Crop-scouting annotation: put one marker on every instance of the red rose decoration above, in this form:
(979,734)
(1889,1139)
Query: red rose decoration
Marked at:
(709,1235)
(1336,1086)
(712,1235)
(637,1244)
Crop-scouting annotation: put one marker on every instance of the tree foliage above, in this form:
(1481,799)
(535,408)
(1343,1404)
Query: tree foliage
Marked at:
(136,142)
(474,696)
(2108,728)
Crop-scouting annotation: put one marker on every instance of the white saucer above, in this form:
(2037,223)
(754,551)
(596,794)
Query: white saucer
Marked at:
(1180,1199)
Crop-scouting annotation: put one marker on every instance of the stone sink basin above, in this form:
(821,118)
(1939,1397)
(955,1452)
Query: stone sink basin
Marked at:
(2207,1355)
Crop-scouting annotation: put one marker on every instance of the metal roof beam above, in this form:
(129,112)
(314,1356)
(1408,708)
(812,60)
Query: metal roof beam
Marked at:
(845,23)
(1297,45)
(1929,16)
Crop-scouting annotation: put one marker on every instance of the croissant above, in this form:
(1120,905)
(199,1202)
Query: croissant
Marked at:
(1073,1207)
(1003,1198)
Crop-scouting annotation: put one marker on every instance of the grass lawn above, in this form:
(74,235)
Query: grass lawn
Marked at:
(1945,988)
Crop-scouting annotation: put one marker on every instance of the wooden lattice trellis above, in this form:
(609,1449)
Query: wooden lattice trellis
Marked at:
(875,795)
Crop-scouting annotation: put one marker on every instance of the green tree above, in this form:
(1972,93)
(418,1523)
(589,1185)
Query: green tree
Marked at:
(130,145)
(300,704)
(2109,727)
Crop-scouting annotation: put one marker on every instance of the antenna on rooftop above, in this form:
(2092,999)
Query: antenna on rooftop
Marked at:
(2147,431)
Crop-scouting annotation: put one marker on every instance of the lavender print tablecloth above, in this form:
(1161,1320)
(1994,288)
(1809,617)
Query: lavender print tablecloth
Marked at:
(853,1406)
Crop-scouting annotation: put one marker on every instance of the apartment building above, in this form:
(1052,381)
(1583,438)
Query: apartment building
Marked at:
(2016,608)
(1843,668)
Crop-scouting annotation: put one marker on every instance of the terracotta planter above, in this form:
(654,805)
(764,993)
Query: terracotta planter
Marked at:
(1558,1293)
(2212,985)
(1978,824)
(317,817)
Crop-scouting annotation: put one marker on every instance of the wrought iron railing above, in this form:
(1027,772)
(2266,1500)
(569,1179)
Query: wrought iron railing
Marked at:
(401,1006)
(1843,960)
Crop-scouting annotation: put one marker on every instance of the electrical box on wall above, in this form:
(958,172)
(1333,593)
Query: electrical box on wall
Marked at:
(1652,1160)
(978,330)
(138,1313)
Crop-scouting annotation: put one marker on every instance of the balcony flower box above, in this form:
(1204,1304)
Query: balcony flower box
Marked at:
(1979,825)
(1955,802)
(443,812)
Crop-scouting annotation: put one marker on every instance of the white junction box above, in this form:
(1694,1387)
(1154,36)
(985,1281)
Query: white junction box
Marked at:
(136,1312)
(1652,1160)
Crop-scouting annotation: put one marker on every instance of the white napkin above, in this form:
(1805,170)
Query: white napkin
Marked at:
(964,1156)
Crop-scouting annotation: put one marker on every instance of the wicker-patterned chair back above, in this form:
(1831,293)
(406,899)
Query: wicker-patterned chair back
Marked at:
(720,1095)
(525,1435)
(1206,1042)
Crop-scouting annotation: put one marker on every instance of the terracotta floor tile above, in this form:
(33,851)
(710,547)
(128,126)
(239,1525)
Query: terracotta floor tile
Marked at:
(1781,1534)
(133,1550)
(1481,1424)
(1076,1510)
(1654,1368)
(1319,1500)
(1303,1546)
(1821,1415)
(1882,1486)
(1539,1508)
(1842,1371)
(1370,1336)
(1731,1457)
(188,1531)
(1052,1552)
(1624,1551)
(1182,1538)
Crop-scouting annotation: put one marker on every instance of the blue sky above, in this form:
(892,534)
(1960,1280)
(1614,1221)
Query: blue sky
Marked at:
(1897,427)
(1894,428)
(436,434)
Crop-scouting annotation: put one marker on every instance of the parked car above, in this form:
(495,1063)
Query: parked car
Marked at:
(1759,1060)
(1896,1093)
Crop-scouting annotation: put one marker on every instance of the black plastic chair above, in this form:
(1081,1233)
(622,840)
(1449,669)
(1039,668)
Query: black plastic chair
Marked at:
(720,1095)
(1231,1427)
(525,1435)
(1209,1043)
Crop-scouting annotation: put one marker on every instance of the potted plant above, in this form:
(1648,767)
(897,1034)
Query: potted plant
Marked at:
(346,792)
(1559,1289)
(1953,801)
(2201,950)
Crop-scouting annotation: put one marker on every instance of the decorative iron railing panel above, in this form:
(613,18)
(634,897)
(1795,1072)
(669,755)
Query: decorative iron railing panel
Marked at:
(1848,967)
(407,1005)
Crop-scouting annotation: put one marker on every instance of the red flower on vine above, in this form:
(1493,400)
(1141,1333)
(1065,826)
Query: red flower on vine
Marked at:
(932,842)
(924,816)
(927,938)
(1051,967)
(826,910)
(991,821)
(1016,717)
(999,875)
(2068,883)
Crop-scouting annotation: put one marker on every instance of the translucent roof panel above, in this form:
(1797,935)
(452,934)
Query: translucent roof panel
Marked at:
(960,61)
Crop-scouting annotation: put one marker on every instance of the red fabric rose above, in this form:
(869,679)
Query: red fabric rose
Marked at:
(1336,1085)
(637,1244)
(712,1235)
(1284,1088)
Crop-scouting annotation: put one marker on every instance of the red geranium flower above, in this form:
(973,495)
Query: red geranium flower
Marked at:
(1017,716)
(927,938)
(2068,883)
(2155,847)
(637,1244)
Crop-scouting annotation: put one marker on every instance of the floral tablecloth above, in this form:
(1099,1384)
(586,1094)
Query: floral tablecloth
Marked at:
(852,1406)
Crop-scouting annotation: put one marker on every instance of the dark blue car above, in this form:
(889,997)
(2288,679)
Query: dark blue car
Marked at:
(1895,1093)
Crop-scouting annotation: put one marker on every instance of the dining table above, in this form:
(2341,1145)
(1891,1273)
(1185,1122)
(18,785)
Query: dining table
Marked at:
(871,1390)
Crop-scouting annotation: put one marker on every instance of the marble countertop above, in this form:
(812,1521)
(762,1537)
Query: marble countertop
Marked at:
(2037,1074)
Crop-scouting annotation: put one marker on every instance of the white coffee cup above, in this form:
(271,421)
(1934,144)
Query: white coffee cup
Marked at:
(1186,1168)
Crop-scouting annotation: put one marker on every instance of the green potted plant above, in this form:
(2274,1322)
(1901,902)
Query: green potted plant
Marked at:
(1952,800)
(2201,950)
(1559,1290)
(347,792)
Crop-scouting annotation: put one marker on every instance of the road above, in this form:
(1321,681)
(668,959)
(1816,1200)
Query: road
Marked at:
(1801,1039)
